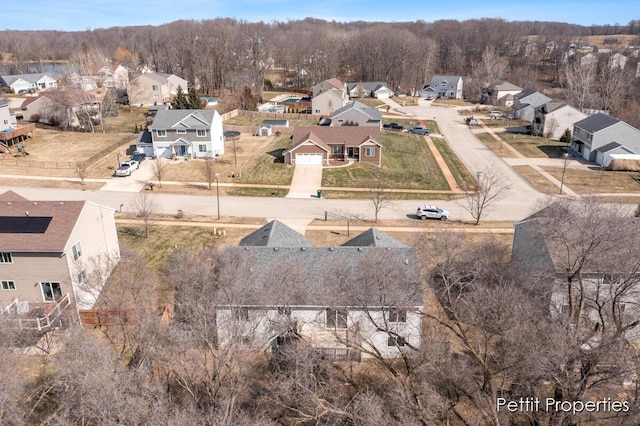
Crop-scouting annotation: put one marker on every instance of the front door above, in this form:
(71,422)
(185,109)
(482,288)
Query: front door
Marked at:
(182,151)
(350,152)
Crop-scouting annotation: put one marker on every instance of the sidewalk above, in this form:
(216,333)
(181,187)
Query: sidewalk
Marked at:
(521,160)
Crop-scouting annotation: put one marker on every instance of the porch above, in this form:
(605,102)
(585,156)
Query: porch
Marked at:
(35,316)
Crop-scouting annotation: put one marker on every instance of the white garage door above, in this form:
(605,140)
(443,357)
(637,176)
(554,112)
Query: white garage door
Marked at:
(309,159)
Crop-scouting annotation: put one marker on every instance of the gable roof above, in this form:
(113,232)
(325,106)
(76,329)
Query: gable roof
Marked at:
(373,113)
(184,119)
(368,86)
(38,226)
(503,85)
(323,136)
(69,97)
(29,78)
(275,234)
(595,123)
(451,79)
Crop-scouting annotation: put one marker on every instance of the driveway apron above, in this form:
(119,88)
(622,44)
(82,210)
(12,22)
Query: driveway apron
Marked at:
(306,181)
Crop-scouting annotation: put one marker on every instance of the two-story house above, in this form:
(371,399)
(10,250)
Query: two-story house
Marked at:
(592,137)
(320,145)
(357,300)
(72,108)
(357,114)
(155,88)
(526,102)
(552,119)
(195,133)
(443,86)
(50,252)
(328,96)
(113,77)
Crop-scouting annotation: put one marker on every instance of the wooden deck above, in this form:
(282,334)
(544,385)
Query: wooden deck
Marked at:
(19,134)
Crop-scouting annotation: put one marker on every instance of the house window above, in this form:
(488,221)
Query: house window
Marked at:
(336,318)
(82,276)
(369,152)
(77,251)
(201,133)
(5,257)
(339,149)
(8,285)
(397,315)
(181,131)
(154,87)
(50,291)
(395,341)
(317,111)
(202,148)
(240,313)
(161,133)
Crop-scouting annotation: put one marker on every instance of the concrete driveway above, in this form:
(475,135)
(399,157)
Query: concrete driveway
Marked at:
(306,181)
(134,183)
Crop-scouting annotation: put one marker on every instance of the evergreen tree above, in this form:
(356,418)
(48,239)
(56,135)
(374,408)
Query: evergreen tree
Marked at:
(194,99)
(180,101)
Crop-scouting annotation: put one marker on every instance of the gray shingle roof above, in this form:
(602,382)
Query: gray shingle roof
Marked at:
(275,234)
(372,113)
(373,237)
(183,119)
(595,123)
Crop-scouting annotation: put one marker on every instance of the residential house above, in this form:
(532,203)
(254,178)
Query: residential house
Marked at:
(370,89)
(7,117)
(83,82)
(350,302)
(500,93)
(28,81)
(329,96)
(319,145)
(195,133)
(592,252)
(552,119)
(443,86)
(595,133)
(357,114)
(155,88)
(114,77)
(526,102)
(53,254)
(73,108)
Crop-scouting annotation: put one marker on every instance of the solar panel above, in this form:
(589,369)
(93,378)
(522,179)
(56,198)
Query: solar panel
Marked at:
(24,224)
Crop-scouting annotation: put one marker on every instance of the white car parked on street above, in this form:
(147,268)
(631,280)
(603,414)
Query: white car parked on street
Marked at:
(432,212)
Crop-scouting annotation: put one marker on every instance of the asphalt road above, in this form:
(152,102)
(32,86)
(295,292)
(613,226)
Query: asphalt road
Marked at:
(520,201)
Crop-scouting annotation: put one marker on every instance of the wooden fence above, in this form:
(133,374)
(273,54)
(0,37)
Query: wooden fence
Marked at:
(110,317)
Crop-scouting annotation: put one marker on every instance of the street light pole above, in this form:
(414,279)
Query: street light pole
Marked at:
(564,169)
(478,174)
(217,176)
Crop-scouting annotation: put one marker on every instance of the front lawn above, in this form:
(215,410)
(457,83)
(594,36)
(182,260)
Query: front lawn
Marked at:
(596,181)
(407,163)
(534,146)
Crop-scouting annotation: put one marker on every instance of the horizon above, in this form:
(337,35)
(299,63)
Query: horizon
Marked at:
(70,17)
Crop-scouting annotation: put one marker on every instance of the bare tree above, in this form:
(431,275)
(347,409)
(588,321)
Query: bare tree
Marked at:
(379,195)
(615,81)
(491,185)
(82,173)
(158,167)
(209,171)
(146,207)
(580,83)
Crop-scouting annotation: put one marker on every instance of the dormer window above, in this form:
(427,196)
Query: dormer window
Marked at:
(162,133)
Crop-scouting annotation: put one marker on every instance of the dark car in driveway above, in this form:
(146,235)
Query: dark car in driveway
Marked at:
(393,126)
(138,156)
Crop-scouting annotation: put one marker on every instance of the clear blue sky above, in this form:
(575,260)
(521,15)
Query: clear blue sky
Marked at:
(75,15)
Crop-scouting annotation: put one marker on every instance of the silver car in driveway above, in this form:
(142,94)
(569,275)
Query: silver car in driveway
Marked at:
(432,212)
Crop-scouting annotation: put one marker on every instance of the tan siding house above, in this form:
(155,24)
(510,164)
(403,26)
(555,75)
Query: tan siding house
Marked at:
(49,249)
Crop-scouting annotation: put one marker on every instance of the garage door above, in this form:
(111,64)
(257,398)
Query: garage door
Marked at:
(309,159)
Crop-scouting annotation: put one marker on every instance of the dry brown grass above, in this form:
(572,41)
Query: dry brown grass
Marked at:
(42,183)
(536,180)
(597,181)
(495,145)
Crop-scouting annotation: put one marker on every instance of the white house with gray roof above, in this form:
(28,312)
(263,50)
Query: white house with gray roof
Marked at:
(597,132)
(348,302)
(552,119)
(443,86)
(526,102)
(195,133)
(369,89)
(28,81)
(499,92)
(155,88)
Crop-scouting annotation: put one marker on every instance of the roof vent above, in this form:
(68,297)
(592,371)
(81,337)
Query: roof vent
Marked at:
(35,203)
(303,248)
(275,249)
(9,203)
(406,261)
(26,213)
(359,248)
(331,249)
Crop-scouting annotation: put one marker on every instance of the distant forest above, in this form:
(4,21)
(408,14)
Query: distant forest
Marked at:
(229,55)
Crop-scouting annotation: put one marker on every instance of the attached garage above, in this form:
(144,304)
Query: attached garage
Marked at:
(314,159)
